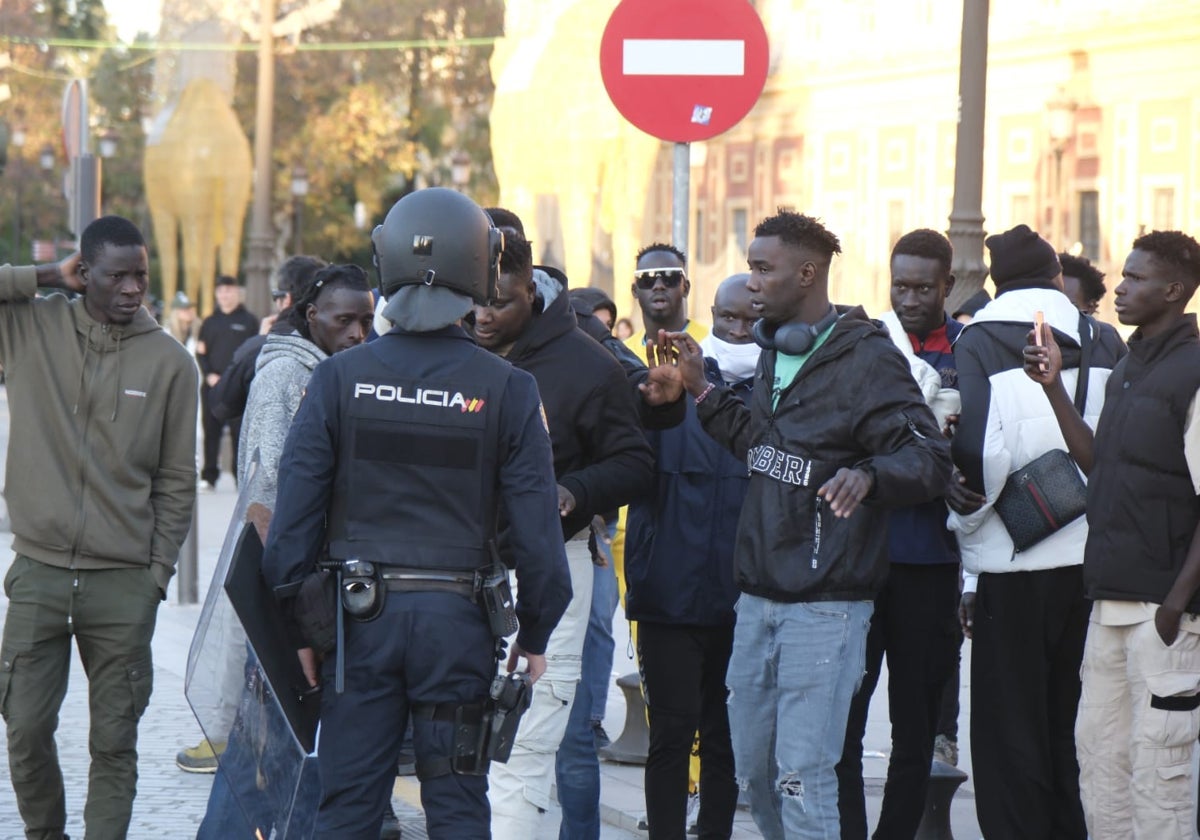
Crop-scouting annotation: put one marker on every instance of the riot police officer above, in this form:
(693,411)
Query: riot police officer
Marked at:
(396,463)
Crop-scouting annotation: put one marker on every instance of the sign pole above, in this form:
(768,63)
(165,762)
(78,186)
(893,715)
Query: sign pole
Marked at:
(680,196)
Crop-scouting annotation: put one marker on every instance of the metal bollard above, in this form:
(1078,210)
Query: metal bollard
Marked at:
(189,561)
(633,747)
(943,784)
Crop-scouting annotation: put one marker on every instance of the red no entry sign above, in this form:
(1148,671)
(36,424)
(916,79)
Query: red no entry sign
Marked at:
(684,70)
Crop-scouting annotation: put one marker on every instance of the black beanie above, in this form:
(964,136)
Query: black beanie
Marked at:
(1021,256)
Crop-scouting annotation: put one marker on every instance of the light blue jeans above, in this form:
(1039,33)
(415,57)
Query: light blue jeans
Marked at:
(793,672)
(598,646)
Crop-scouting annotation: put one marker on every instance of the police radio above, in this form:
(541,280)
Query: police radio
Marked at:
(496,598)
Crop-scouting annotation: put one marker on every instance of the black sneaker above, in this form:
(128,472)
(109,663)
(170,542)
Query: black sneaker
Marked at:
(390,830)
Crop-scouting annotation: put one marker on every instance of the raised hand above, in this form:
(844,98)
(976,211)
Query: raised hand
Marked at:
(1043,364)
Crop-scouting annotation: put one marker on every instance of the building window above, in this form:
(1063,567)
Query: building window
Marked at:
(1163,209)
(740,229)
(1020,145)
(839,159)
(895,155)
(895,221)
(1089,224)
(1162,135)
(1018,211)
(739,167)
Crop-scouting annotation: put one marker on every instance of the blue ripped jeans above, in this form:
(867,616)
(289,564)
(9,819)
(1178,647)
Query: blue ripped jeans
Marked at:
(792,675)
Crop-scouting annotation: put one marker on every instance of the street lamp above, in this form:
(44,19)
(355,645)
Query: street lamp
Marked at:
(47,157)
(966,217)
(299,190)
(18,142)
(460,170)
(108,144)
(1060,125)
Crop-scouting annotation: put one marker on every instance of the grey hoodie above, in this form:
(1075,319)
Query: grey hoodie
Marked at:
(102,437)
(281,374)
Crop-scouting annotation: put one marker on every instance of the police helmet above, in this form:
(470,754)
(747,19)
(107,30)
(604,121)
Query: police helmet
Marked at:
(438,237)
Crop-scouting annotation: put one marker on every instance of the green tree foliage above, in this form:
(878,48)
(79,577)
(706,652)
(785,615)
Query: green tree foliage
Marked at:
(371,125)
(368,125)
(32,205)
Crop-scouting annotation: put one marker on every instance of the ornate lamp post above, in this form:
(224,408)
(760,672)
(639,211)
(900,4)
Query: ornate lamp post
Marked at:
(1060,125)
(18,143)
(966,217)
(299,191)
(460,170)
(108,144)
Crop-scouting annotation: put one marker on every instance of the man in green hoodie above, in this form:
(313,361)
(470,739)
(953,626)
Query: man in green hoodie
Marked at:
(101,482)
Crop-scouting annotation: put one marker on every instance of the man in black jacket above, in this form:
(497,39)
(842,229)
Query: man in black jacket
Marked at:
(835,421)
(228,397)
(601,461)
(1139,714)
(221,334)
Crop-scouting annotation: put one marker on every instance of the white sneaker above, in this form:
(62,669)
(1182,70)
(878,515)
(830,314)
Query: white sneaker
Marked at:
(206,487)
(945,750)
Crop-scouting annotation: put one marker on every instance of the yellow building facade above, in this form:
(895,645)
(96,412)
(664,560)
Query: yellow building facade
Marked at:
(1092,135)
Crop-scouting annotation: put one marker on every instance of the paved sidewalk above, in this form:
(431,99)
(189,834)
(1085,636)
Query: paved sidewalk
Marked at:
(171,803)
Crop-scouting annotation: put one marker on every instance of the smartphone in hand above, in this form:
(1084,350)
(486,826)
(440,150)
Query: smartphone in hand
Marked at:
(1039,335)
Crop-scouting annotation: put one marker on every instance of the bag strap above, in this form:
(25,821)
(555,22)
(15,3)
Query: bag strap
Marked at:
(1085,362)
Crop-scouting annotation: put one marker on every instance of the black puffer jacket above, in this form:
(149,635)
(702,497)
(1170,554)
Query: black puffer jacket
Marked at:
(854,403)
(600,454)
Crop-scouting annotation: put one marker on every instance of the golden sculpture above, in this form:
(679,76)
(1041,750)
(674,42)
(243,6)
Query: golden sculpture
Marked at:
(198,173)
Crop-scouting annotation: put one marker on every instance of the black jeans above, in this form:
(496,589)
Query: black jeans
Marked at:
(914,625)
(212,439)
(683,671)
(1027,647)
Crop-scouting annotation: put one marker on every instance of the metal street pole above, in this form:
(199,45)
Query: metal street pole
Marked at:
(1056,228)
(16,220)
(258,256)
(189,561)
(679,197)
(966,218)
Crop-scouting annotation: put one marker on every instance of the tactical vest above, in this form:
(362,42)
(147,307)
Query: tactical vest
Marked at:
(1142,508)
(417,469)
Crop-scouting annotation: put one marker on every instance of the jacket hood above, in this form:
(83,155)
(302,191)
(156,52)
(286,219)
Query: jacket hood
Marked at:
(103,337)
(555,320)
(1018,306)
(853,324)
(107,338)
(294,346)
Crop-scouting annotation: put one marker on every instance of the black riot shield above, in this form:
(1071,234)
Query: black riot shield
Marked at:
(245,687)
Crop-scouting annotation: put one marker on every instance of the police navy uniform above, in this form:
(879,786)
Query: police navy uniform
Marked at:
(401,453)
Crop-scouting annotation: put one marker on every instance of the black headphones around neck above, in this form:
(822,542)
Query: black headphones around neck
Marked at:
(792,339)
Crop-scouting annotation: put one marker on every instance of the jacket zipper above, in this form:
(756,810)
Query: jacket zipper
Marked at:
(912,427)
(81,514)
(817,531)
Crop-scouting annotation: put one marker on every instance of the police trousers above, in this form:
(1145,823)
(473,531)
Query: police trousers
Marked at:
(111,613)
(426,648)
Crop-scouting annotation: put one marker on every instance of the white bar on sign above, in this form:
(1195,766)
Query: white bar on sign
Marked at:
(683,57)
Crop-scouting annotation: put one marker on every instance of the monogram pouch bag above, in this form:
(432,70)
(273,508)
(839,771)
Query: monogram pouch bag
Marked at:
(1048,493)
